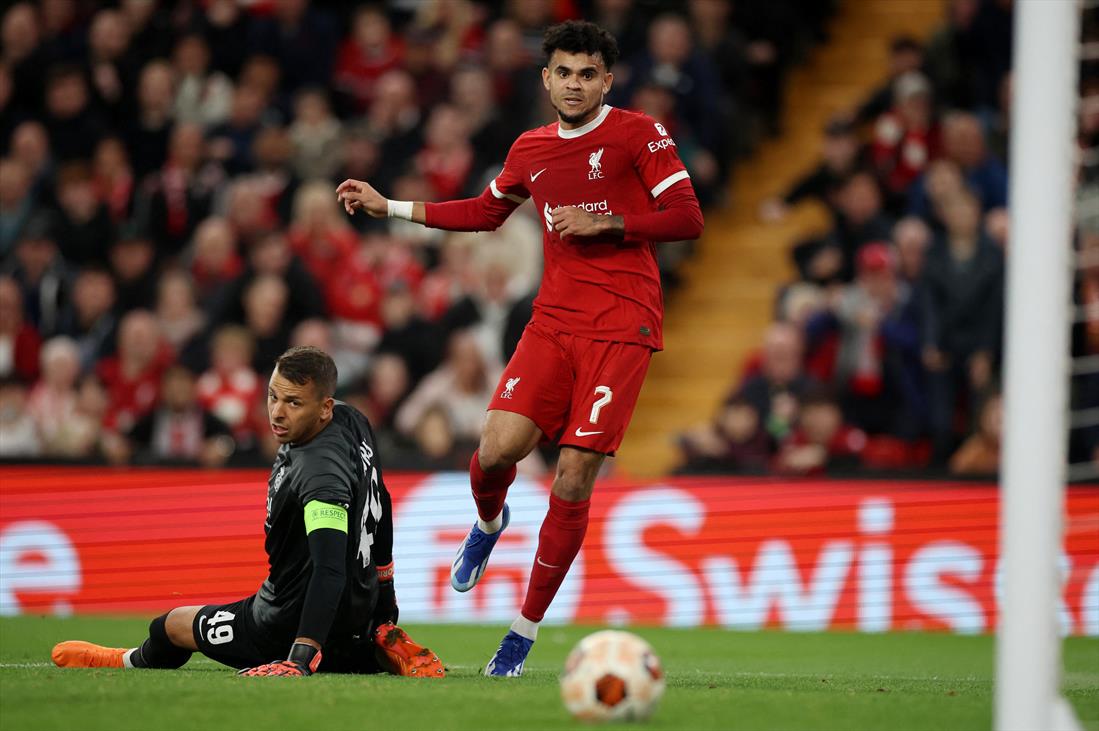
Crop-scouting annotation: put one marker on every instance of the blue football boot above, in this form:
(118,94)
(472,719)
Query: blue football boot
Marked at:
(472,558)
(510,656)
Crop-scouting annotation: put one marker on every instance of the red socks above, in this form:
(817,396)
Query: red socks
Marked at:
(558,543)
(489,488)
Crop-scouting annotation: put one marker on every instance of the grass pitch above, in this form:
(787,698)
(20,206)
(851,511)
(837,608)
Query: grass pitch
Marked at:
(716,680)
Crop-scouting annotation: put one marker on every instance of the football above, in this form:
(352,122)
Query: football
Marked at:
(612,676)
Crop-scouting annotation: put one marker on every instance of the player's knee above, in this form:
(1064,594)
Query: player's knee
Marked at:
(572,485)
(571,488)
(576,471)
(494,454)
(175,627)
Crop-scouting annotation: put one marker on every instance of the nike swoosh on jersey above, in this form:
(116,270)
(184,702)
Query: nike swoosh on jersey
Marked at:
(534,176)
(540,562)
(580,433)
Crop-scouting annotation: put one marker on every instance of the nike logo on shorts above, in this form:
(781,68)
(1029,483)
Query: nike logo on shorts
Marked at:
(580,433)
(540,562)
(534,176)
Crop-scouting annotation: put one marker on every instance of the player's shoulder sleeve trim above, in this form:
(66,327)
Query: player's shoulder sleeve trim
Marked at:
(669,181)
(511,197)
(324,515)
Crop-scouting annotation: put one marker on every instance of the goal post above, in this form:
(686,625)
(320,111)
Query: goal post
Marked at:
(1039,271)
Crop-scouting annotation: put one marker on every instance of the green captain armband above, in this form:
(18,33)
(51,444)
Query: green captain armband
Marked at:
(324,515)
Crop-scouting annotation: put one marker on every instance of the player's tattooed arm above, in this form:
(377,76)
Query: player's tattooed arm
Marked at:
(573,221)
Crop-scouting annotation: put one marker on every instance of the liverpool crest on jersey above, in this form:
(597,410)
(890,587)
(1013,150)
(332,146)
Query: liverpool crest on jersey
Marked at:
(509,387)
(596,166)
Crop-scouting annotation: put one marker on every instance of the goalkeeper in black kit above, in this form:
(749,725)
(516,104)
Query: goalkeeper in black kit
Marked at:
(328,603)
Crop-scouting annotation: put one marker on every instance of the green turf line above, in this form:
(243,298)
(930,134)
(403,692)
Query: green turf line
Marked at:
(716,680)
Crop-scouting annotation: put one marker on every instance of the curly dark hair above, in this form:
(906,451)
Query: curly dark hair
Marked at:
(580,36)
(303,364)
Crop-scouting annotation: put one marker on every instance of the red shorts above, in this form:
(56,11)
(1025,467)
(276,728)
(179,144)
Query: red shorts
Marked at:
(579,392)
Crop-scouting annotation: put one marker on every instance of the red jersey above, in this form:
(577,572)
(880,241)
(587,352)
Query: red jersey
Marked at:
(131,398)
(620,163)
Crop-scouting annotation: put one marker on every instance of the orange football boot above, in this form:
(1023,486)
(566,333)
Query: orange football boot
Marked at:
(404,656)
(80,654)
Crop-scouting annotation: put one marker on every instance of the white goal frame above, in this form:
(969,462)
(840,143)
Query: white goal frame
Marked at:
(1040,266)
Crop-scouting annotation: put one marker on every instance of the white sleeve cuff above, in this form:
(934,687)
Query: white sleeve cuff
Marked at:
(496,192)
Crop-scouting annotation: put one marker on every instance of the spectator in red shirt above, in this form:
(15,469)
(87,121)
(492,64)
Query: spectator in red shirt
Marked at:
(230,387)
(113,178)
(821,441)
(19,340)
(905,137)
(214,258)
(369,51)
(872,333)
(274,176)
(446,159)
(905,56)
(182,193)
(320,235)
(179,430)
(132,375)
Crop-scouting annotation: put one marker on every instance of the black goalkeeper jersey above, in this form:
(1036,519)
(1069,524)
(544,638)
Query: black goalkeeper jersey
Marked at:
(338,466)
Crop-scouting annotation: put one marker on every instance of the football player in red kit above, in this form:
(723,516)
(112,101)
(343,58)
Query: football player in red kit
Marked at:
(609,185)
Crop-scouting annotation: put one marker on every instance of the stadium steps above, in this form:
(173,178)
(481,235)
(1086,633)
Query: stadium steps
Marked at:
(715,321)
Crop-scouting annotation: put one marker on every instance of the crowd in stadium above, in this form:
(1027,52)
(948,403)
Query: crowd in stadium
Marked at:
(886,351)
(170,223)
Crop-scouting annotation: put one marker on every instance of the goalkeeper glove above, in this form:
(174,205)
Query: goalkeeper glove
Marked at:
(303,660)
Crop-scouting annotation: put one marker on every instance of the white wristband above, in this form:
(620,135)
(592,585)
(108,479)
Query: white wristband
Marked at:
(399,209)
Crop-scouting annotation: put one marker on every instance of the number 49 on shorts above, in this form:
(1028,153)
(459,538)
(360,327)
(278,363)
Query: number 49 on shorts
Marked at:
(220,635)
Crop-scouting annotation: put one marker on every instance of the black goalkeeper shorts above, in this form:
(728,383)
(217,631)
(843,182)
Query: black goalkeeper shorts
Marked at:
(229,634)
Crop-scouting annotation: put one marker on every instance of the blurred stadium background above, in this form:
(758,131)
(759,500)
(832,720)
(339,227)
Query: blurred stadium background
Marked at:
(817,446)
(169,225)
